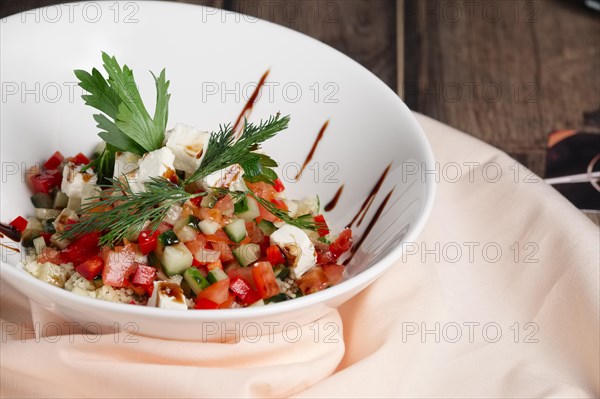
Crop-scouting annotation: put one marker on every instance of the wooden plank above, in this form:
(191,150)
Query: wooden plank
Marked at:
(363,30)
(508,72)
(400,48)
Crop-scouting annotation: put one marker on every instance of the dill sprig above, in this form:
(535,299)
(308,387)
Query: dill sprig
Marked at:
(223,150)
(127,211)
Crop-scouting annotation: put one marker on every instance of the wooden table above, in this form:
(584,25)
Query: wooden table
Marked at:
(506,71)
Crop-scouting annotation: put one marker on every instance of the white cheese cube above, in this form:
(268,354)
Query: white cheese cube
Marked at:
(188,145)
(230,178)
(167,295)
(74,182)
(158,163)
(297,248)
(125,163)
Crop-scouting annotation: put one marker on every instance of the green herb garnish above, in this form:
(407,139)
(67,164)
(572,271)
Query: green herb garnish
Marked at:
(125,123)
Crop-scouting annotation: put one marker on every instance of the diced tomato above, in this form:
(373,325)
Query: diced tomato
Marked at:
(144,275)
(49,255)
(279,203)
(148,241)
(224,249)
(225,205)
(219,236)
(211,214)
(91,268)
(255,234)
(266,215)
(80,159)
(333,272)
(119,265)
(214,265)
(274,255)
(164,226)
(262,190)
(313,281)
(264,278)
(245,273)
(46,181)
(323,229)
(217,292)
(20,223)
(203,303)
(228,302)
(278,186)
(342,243)
(82,248)
(54,161)
(325,257)
(243,291)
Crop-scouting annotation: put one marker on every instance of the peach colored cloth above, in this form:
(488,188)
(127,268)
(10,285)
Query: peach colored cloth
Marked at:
(498,298)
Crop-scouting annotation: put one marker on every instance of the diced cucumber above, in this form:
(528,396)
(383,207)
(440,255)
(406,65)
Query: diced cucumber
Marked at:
(247,254)
(168,238)
(98,282)
(267,227)
(60,200)
(236,230)
(282,272)
(44,213)
(216,275)
(277,298)
(208,201)
(48,226)
(324,240)
(190,220)
(33,223)
(209,226)
(176,259)
(186,228)
(195,280)
(28,236)
(39,244)
(42,200)
(74,204)
(253,211)
(241,206)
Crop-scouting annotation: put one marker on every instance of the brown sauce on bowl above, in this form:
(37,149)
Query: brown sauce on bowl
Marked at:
(250,103)
(331,204)
(369,200)
(313,149)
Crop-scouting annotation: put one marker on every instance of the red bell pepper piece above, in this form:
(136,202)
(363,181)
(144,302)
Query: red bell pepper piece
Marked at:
(91,268)
(80,159)
(144,275)
(203,303)
(264,278)
(322,227)
(44,182)
(148,241)
(341,244)
(274,255)
(278,186)
(54,161)
(20,223)
(82,249)
(242,290)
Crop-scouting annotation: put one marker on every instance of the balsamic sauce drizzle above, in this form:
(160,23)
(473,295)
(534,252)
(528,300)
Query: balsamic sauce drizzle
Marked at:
(248,107)
(370,226)
(369,200)
(331,204)
(313,149)
(10,232)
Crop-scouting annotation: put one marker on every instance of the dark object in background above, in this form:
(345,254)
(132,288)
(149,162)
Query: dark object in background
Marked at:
(575,153)
(593,4)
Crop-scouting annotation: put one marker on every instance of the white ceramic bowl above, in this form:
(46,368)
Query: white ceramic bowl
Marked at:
(214,60)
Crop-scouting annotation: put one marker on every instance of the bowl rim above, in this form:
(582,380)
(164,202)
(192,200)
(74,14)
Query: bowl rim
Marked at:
(361,280)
